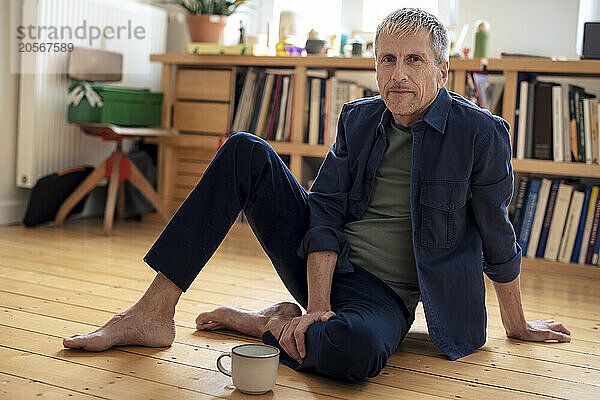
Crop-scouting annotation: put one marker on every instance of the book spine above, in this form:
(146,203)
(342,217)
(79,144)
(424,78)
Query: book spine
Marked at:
(593,234)
(279,135)
(566,246)
(557,120)
(579,124)
(542,122)
(532,199)
(568,157)
(289,121)
(587,230)
(587,129)
(307,108)
(573,125)
(322,111)
(522,127)
(594,129)
(519,203)
(529,134)
(538,220)
(588,193)
(547,219)
(559,217)
(274,107)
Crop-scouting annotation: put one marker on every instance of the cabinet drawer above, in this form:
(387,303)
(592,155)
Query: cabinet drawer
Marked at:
(201,117)
(203,84)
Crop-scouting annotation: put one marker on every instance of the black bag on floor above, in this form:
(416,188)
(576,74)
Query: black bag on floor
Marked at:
(50,191)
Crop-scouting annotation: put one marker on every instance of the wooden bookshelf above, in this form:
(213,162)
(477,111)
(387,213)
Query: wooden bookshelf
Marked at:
(199,92)
(183,158)
(510,67)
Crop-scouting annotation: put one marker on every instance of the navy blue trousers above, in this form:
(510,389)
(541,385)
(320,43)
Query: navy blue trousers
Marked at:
(248,175)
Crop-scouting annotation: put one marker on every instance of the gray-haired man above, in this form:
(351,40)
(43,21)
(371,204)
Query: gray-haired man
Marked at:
(412,194)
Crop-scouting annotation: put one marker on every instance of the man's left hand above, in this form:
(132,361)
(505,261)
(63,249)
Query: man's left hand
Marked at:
(541,331)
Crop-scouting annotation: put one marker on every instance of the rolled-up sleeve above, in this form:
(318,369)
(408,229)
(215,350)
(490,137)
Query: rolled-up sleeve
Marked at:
(492,182)
(328,202)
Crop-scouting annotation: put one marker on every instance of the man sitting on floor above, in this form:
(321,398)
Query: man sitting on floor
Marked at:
(411,195)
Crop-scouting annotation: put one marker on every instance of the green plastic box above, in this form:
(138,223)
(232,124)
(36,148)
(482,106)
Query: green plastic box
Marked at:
(121,106)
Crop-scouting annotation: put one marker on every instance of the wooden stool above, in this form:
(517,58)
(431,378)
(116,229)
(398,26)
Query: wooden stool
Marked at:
(117,168)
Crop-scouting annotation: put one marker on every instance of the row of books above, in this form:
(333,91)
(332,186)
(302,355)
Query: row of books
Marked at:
(556,122)
(324,99)
(557,220)
(265,100)
(264,103)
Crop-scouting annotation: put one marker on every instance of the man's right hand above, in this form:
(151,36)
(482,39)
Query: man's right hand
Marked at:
(292,337)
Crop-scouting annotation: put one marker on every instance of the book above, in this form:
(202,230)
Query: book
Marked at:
(587,230)
(538,219)
(322,112)
(289,114)
(573,125)
(240,122)
(529,117)
(519,130)
(568,239)
(274,107)
(579,123)
(279,135)
(593,234)
(588,194)
(567,154)
(542,121)
(587,130)
(259,130)
(327,110)
(528,213)
(315,112)
(547,219)
(559,217)
(522,123)
(516,210)
(256,101)
(594,130)
(557,124)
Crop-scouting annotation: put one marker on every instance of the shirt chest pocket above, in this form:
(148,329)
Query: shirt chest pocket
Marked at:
(442,203)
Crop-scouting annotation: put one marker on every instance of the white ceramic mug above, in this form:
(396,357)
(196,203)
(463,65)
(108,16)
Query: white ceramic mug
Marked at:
(253,367)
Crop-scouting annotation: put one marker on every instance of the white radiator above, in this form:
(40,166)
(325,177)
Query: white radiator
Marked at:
(46,142)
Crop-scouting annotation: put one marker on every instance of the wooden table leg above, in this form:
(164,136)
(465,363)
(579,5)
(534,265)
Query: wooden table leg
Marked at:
(84,188)
(121,210)
(139,181)
(111,197)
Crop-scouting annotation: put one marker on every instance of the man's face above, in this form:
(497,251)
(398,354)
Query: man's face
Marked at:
(407,75)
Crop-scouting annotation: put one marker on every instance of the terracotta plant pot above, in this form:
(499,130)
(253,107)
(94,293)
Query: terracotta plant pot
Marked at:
(206,28)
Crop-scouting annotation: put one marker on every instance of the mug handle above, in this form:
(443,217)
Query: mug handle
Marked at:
(220,366)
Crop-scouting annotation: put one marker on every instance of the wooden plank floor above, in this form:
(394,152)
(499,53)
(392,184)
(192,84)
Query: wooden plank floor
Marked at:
(60,281)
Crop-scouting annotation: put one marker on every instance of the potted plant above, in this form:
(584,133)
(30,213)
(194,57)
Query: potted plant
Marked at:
(207,18)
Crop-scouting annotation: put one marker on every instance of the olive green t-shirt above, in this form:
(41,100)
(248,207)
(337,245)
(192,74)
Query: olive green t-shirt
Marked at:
(381,241)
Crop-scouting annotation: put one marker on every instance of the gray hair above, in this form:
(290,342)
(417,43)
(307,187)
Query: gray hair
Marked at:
(408,21)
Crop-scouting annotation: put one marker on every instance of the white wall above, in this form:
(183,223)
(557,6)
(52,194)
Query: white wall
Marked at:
(540,27)
(12,200)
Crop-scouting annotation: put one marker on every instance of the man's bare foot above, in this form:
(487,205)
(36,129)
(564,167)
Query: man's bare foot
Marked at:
(253,323)
(139,325)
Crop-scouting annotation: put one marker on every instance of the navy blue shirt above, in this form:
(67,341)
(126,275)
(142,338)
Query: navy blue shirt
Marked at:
(461,185)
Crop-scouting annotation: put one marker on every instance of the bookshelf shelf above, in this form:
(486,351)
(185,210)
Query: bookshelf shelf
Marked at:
(568,67)
(538,265)
(544,167)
